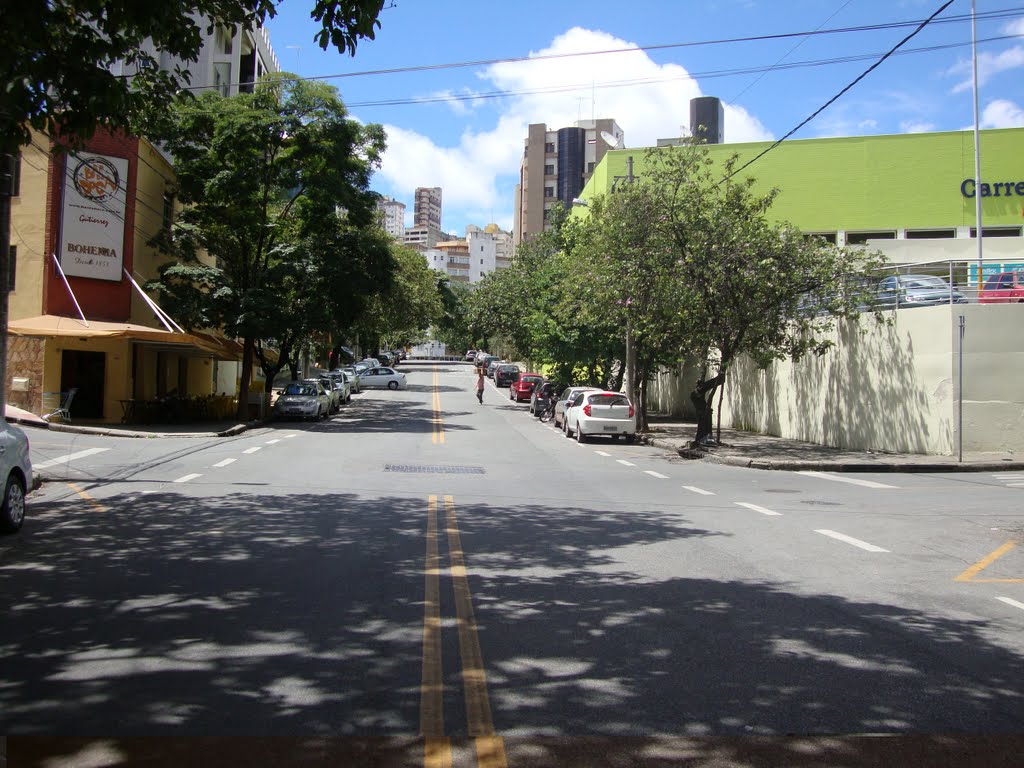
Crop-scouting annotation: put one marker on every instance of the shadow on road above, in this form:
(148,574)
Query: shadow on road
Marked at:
(302,616)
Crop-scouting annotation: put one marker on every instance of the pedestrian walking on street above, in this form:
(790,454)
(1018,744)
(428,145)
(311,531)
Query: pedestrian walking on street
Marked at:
(480,385)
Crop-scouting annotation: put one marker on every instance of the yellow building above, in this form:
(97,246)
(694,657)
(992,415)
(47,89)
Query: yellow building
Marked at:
(81,226)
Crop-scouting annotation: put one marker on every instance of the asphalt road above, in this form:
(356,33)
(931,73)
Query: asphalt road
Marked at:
(423,580)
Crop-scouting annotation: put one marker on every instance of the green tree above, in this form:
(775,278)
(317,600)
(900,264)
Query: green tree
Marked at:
(59,57)
(259,175)
(452,328)
(400,315)
(745,279)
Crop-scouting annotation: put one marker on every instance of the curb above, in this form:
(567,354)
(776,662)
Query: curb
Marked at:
(837,465)
(110,432)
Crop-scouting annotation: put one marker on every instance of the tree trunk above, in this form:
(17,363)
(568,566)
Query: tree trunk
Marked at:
(702,396)
(248,345)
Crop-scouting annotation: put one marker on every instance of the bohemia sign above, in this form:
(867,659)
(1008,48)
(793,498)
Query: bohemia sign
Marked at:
(92,224)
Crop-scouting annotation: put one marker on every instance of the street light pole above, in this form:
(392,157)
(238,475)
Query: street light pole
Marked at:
(977,144)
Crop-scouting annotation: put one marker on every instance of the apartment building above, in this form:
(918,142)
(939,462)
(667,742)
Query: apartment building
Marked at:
(392,216)
(427,207)
(556,164)
(469,260)
(231,60)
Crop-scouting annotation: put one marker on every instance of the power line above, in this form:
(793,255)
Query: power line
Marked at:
(1004,13)
(707,74)
(835,98)
(785,56)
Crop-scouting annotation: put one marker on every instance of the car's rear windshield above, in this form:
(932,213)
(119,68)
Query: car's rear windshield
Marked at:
(603,399)
(531,379)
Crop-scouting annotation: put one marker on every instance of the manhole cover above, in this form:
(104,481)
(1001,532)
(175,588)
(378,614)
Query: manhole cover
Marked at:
(434,469)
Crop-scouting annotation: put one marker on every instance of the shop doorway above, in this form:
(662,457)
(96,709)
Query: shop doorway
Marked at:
(88,372)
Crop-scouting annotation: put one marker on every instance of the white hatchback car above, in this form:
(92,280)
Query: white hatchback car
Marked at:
(16,469)
(600,413)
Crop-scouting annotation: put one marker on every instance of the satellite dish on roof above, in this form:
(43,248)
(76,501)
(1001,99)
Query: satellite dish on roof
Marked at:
(610,139)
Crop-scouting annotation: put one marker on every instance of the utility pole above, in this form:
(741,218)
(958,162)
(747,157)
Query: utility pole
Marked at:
(8,166)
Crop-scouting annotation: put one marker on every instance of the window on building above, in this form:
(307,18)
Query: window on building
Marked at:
(549,191)
(14,169)
(825,237)
(861,238)
(481,261)
(930,234)
(549,146)
(546,212)
(549,170)
(168,213)
(996,232)
(12,268)
(590,167)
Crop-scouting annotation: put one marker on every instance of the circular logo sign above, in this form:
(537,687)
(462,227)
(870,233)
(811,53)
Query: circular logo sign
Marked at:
(96,179)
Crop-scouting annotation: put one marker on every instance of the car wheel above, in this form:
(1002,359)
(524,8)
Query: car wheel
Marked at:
(580,437)
(349,398)
(565,428)
(392,385)
(12,513)
(631,439)
(615,438)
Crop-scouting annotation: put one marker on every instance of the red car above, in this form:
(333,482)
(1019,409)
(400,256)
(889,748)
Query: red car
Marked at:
(522,388)
(1004,288)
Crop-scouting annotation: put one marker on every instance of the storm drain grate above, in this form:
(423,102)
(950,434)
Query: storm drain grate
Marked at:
(434,469)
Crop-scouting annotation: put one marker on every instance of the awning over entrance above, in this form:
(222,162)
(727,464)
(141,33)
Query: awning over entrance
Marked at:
(58,326)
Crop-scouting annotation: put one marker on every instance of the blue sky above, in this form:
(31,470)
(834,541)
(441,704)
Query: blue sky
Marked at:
(463,128)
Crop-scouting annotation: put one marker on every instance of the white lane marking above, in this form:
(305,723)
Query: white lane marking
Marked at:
(68,457)
(756,508)
(605,453)
(701,491)
(295,434)
(186,478)
(850,540)
(852,480)
(1011,601)
(225,462)
(1008,476)
(277,440)
(652,473)
(625,463)
(253,449)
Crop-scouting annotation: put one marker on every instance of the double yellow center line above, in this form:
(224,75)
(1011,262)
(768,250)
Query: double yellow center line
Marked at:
(490,748)
(437,424)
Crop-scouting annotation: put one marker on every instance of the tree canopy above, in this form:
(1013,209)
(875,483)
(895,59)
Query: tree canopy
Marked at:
(65,65)
(275,187)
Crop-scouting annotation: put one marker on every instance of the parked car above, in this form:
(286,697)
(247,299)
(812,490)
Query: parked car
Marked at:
(483,360)
(383,377)
(493,363)
(592,414)
(304,400)
(505,374)
(916,291)
(342,385)
(385,358)
(563,399)
(1004,288)
(522,387)
(334,396)
(470,355)
(541,396)
(16,468)
(352,375)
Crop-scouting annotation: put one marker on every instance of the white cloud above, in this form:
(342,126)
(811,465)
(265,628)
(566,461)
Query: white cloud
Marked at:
(648,100)
(989,65)
(1015,27)
(1002,113)
(916,126)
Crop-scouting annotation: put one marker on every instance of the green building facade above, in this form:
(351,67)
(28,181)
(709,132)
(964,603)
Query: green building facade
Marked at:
(906,186)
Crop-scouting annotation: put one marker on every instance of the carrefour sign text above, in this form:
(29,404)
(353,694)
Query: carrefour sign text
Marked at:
(998,189)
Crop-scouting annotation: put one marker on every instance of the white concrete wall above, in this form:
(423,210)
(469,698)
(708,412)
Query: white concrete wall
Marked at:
(885,387)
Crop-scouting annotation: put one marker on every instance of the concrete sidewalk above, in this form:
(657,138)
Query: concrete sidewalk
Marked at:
(756,451)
